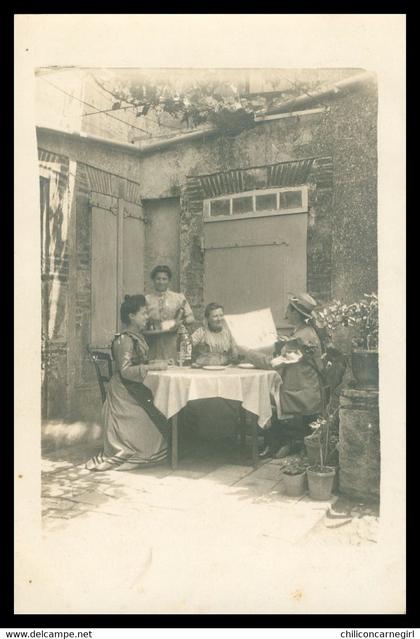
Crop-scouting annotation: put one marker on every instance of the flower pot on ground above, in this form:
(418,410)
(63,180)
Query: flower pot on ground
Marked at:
(295,480)
(321,475)
(320,482)
(365,369)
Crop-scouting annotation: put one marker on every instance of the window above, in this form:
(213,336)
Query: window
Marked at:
(266,202)
(290,199)
(242,205)
(257,203)
(219,207)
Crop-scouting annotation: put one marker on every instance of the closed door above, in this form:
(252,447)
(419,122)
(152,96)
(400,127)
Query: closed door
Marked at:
(117,264)
(255,263)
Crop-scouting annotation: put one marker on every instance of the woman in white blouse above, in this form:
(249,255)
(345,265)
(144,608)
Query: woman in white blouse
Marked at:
(167,310)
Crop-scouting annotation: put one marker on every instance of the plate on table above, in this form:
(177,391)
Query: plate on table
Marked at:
(214,368)
(246,365)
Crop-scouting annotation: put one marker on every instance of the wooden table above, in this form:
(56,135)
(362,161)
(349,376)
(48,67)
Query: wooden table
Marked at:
(243,414)
(253,388)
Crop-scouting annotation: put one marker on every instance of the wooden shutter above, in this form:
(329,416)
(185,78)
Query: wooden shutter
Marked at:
(255,263)
(117,262)
(104,275)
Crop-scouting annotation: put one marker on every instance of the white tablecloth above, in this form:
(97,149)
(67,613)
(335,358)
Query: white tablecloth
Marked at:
(172,389)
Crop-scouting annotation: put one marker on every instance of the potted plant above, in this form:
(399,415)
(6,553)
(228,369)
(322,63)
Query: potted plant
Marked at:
(313,441)
(294,479)
(321,475)
(362,317)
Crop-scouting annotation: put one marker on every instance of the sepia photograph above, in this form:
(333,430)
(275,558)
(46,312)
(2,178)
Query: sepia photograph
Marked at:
(210,350)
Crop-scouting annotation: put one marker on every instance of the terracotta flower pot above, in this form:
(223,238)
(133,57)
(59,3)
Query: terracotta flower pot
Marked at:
(320,482)
(295,484)
(313,448)
(365,368)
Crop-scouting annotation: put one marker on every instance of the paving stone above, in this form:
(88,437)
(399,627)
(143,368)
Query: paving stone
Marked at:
(158,472)
(189,474)
(295,523)
(111,491)
(50,466)
(251,486)
(53,491)
(229,474)
(277,497)
(57,504)
(267,471)
(92,498)
(202,468)
(64,514)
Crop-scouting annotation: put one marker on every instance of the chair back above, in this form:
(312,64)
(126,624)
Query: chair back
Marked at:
(98,357)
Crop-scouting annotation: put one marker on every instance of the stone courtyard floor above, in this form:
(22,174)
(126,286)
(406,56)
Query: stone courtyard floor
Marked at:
(213,536)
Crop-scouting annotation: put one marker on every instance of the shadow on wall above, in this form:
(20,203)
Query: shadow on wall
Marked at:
(58,434)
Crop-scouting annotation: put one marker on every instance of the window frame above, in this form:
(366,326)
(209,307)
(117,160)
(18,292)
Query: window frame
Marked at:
(254,213)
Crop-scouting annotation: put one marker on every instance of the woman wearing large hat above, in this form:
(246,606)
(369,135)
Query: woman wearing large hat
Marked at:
(300,392)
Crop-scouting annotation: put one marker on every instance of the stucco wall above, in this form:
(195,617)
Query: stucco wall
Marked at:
(95,154)
(347,224)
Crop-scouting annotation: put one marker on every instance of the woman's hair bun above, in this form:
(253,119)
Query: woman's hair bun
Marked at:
(131,304)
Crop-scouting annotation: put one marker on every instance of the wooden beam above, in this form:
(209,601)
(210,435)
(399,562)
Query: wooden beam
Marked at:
(292,114)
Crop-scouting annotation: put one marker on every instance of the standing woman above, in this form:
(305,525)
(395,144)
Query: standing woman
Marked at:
(166,306)
(135,431)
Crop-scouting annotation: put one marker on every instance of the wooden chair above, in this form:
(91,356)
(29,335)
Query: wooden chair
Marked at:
(97,357)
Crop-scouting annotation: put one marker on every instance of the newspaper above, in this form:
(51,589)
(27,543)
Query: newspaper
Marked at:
(255,330)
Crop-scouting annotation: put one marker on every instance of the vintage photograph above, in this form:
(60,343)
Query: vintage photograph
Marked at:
(175,206)
(210,436)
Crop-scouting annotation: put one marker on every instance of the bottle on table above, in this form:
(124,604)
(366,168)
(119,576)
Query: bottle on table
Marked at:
(184,347)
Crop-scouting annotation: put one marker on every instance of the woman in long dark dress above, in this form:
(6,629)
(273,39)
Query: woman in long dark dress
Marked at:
(135,431)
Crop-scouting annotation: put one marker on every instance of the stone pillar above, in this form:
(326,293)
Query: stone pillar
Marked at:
(359,448)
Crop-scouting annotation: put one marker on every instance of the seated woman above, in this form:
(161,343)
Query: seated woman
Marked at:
(299,365)
(135,431)
(213,344)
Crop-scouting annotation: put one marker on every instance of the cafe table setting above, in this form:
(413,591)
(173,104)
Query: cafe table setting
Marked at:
(254,388)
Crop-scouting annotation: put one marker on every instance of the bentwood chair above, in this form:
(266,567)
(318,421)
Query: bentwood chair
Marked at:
(98,357)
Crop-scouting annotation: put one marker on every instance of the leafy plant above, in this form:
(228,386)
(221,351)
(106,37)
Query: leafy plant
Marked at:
(361,315)
(294,469)
(323,432)
(220,100)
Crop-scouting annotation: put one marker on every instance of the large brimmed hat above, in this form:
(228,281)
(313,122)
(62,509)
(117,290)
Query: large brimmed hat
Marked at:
(303,303)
